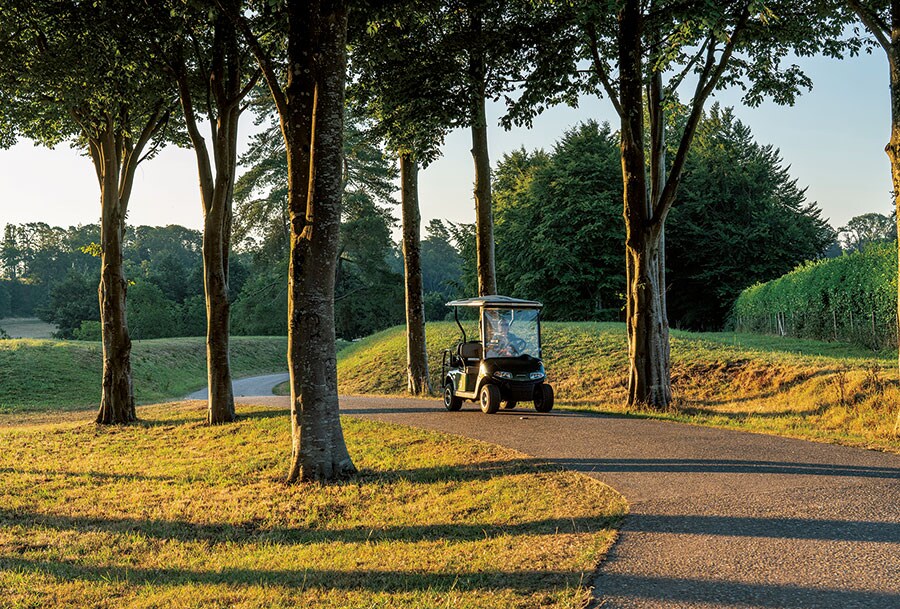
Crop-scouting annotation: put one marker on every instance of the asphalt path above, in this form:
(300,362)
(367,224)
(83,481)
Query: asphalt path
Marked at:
(718,518)
(251,386)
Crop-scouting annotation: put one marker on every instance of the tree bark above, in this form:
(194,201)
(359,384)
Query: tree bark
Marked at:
(312,125)
(893,147)
(224,93)
(484,216)
(647,325)
(216,249)
(117,399)
(416,354)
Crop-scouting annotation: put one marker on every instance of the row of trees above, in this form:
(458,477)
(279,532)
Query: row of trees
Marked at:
(121,79)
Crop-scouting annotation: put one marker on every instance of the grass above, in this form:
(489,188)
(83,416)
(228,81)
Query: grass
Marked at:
(792,387)
(40,375)
(172,512)
(27,327)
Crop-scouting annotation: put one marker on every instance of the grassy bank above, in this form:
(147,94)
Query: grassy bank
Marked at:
(793,387)
(65,375)
(151,515)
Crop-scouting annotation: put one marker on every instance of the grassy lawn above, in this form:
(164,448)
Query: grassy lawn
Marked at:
(27,327)
(798,388)
(171,512)
(40,375)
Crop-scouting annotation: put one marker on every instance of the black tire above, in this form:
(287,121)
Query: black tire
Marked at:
(543,398)
(451,402)
(509,404)
(489,398)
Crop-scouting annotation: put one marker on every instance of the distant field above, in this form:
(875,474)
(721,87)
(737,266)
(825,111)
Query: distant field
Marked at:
(27,327)
(793,387)
(41,375)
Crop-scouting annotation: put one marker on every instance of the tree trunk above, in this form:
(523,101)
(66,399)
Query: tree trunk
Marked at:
(893,147)
(416,354)
(484,216)
(216,247)
(647,326)
(313,130)
(117,399)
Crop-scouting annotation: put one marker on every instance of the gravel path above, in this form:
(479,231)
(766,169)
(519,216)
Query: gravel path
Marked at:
(718,518)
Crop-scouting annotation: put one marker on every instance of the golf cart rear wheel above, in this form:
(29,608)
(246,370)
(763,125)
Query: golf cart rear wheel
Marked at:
(543,398)
(509,404)
(490,399)
(451,402)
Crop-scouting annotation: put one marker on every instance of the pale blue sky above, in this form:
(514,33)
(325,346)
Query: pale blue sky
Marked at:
(833,139)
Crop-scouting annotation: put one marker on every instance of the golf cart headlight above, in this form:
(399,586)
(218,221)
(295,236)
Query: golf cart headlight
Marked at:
(502,374)
(536,375)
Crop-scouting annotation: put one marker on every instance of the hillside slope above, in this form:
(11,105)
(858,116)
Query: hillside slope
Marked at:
(794,387)
(65,375)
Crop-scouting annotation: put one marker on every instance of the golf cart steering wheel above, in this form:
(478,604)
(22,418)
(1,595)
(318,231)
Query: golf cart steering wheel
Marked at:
(517,345)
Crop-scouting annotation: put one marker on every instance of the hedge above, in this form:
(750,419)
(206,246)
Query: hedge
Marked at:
(850,298)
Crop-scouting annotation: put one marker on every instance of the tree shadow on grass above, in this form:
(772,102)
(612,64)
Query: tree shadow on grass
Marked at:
(254,531)
(304,579)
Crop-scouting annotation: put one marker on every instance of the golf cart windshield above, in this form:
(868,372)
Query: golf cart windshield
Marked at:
(511,332)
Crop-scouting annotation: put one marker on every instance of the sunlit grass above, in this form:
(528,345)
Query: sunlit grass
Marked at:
(793,387)
(171,512)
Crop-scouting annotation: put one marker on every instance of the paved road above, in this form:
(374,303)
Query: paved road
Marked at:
(718,518)
(252,386)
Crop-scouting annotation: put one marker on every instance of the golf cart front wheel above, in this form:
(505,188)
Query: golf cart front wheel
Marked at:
(451,402)
(490,399)
(543,398)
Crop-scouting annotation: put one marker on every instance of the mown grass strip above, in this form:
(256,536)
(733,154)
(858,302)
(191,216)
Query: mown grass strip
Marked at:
(171,512)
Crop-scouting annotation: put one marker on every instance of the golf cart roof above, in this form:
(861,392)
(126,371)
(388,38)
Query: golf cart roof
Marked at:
(496,301)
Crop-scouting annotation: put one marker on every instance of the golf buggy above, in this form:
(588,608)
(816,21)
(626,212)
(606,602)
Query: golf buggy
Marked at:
(505,365)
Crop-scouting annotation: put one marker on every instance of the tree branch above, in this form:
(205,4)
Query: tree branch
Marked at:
(873,23)
(262,58)
(190,120)
(705,86)
(600,71)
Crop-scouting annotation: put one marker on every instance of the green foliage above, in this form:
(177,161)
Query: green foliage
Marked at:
(72,301)
(150,313)
(368,291)
(850,298)
(558,225)
(88,331)
(739,218)
(5,301)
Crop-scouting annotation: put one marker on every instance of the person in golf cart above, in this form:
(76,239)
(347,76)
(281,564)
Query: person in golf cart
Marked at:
(505,366)
(503,343)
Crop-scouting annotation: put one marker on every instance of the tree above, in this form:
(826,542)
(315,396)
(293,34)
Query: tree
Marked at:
(867,229)
(310,106)
(81,74)
(574,268)
(739,219)
(412,115)
(203,54)
(640,54)
(882,19)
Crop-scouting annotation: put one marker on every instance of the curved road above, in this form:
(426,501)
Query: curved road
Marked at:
(718,518)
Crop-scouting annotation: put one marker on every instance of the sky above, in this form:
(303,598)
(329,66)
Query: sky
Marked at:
(833,140)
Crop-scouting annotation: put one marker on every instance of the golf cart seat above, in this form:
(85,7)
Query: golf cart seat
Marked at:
(470,352)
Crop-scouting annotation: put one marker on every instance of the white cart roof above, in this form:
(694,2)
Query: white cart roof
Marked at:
(496,301)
